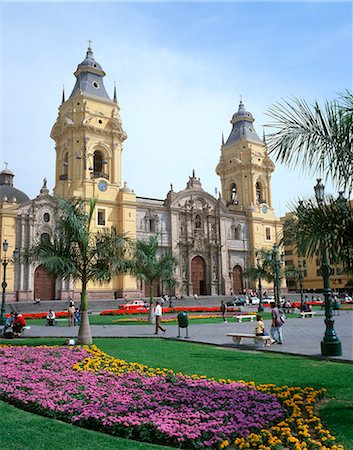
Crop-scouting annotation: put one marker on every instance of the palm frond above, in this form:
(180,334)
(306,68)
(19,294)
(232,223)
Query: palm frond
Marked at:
(316,139)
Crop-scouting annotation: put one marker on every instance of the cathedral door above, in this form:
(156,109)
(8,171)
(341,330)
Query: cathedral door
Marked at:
(198,276)
(44,284)
(238,280)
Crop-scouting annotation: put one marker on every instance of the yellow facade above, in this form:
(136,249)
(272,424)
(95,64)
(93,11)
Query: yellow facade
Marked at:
(8,212)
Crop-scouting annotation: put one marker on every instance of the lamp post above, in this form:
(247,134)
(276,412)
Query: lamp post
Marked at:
(277,260)
(330,345)
(302,268)
(170,293)
(5,261)
(260,308)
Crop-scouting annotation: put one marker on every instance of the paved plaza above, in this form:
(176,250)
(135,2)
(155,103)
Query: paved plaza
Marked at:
(301,336)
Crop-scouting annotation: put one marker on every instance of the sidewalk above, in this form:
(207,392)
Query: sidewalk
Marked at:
(301,336)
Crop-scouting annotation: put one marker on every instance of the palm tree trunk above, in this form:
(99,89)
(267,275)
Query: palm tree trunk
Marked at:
(84,333)
(151,317)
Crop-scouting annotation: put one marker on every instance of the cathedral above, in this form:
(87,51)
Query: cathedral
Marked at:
(214,239)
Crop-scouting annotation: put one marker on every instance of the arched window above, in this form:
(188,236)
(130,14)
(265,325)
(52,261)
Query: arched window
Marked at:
(98,162)
(234,194)
(99,165)
(236,232)
(259,193)
(152,225)
(198,222)
(66,164)
(65,170)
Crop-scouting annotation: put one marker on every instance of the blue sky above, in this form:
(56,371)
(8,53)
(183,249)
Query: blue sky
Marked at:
(180,69)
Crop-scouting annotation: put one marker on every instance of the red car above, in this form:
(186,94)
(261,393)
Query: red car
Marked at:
(133,305)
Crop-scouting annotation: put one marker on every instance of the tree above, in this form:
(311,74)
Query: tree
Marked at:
(319,140)
(78,253)
(150,268)
(315,227)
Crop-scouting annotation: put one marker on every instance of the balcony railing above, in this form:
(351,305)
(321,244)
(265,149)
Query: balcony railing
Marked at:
(100,175)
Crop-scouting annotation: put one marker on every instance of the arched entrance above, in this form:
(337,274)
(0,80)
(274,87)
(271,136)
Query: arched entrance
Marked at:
(44,284)
(238,280)
(198,276)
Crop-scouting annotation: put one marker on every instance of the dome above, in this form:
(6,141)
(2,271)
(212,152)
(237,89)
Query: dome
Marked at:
(89,61)
(89,78)
(7,192)
(243,128)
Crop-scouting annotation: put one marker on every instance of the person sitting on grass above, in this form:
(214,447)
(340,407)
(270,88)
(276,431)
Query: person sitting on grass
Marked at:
(51,318)
(18,324)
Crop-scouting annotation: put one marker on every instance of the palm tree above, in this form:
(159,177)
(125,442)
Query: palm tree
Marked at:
(315,227)
(319,140)
(78,253)
(148,267)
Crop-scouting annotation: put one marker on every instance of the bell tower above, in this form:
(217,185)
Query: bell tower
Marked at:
(245,171)
(89,138)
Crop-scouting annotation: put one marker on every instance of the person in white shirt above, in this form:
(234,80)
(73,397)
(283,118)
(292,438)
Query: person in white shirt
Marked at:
(51,318)
(158,315)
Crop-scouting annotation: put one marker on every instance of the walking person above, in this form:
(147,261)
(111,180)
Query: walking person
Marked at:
(223,310)
(77,317)
(71,313)
(158,315)
(278,320)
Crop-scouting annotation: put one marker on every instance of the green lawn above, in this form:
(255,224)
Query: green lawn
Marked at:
(96,319)
(336,412)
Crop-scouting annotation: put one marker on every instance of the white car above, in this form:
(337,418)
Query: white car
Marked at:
(254,301)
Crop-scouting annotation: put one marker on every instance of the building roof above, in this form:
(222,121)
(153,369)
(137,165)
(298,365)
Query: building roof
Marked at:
(243,128)
(89,78)
(7,192)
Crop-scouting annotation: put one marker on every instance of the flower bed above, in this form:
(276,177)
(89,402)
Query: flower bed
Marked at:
(176,309)
(86,387)
(166,319)
(42,315)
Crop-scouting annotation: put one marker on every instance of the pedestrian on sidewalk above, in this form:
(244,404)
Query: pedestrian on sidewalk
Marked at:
(278,320)
(71,313)
(158,315)
(223,310)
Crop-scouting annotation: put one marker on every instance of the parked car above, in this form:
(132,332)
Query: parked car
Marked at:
(254,301)
(133,305)
(237,301)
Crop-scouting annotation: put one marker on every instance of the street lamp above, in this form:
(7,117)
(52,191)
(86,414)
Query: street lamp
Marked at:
(302,268)
(260,308)
(277,260)
(330,345)
(170,293)
(5,261)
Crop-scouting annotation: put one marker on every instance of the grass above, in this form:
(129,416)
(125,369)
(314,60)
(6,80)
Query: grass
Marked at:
(96,319)
(336,412)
